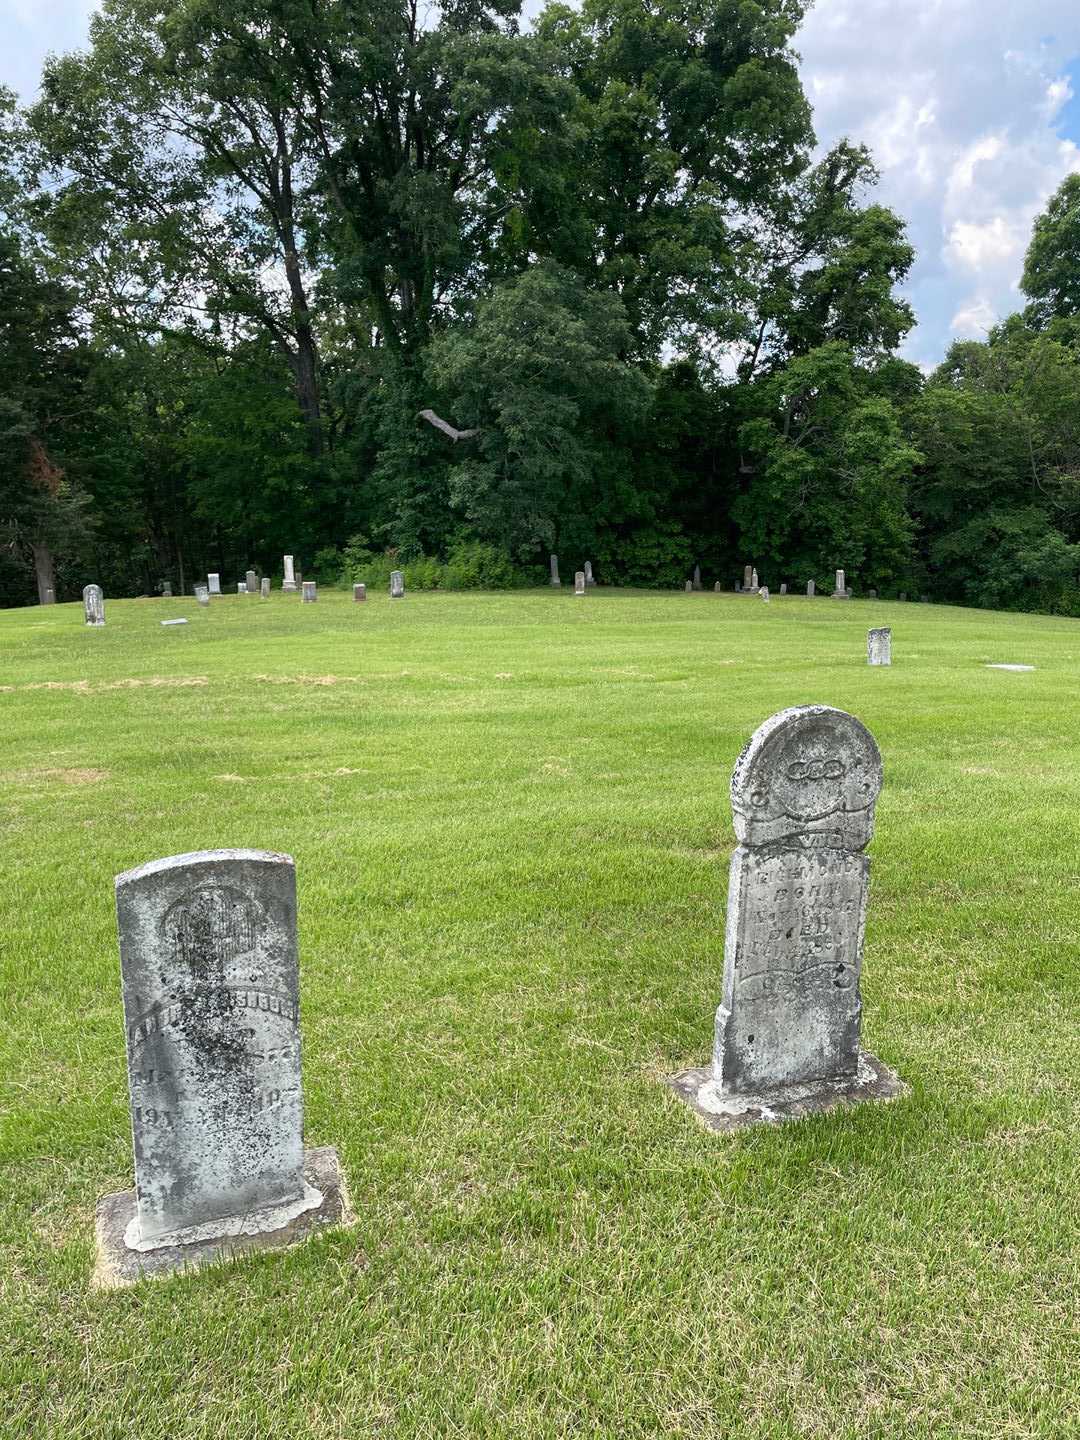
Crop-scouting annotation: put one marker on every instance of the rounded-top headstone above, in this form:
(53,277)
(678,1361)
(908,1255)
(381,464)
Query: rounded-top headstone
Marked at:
(812,772)
(94,605)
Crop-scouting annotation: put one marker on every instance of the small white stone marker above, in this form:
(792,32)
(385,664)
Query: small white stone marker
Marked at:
(810,589)
(310,594)
(764,593)
(208,957)
(174,622)
(1010,667)
(213,584)
(94,605)
(241,587)
(787,1030)
(202,595)
(50,597)
(783,588)
(716,588)
(264,587)
(879,646)
(166,590)
(359,593)
(397,585)
(579,582)
(289,583)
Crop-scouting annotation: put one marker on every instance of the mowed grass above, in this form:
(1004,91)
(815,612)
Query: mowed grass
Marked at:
(511,826)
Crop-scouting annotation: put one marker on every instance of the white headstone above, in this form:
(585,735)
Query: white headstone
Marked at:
(202,595)
(397,585)
(783,588)
(174,622)
(579,582)
(166,589)
(213,584)
(241,587)
(754,581)
(94,605)
(251,584)
(764,593)
(747,576)
(840,593)
(688,587)
(810,589)
(879,646)
(289,583)
(264,587)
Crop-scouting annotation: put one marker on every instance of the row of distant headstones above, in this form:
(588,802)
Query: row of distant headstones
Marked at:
(210,977)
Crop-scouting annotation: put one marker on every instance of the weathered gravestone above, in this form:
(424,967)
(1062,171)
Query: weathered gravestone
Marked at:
(252,583)
(754,586)
(49,597)
(688,587)
(810,589)
(840,593)
(359,593)
(716,588)
(202,595)
(264,587)
(747,576)
(787,1030)
(579,582)
(289,582)
(879,646)
(903,595)
(783,588)
(588,573)
(241,587)
(397,585)
(208,959)
(554,563)
(871,594)
(94,605)
(764,593)
(213,584)
(309,591)
(697,577)
(166,589)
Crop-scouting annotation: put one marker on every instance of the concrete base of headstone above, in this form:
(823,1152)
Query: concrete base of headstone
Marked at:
(726,1113)
(117,1264)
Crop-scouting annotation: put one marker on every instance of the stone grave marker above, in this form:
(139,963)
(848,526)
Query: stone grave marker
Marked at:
(764,593)
(879,646)
(783,588)
(49,598)
(697,577)
(688,587)
(871,594)
(588,573)
(202,595)
(359,593)
(747,576)
(903,595)
(166,589)
(1010,667)
(213,584)
(252,583)
(716,588)
(174,622)
(93,599)
(810,589)
(264,587)
(754,586)
(241,587)
(210,974)
(309,592)
(554,563)
(289,583)
(397,585)
(579,582)
(787,1029)
(840,593)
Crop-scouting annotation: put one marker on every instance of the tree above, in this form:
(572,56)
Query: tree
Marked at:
(1051,278)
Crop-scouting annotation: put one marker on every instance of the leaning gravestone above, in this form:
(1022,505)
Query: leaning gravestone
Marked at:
(264,587)
(208,959)
(579,582)
(289,583)
(879,646)
(252,583)
(309,592)
(202,595)
(359,593)
(397,585)
(787,1030)
(94,605)
(554,563)
(213,584)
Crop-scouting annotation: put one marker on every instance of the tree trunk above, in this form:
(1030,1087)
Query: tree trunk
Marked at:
(306,370)
(43,569)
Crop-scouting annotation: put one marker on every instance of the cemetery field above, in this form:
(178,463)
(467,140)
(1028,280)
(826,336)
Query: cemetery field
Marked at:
(511,826)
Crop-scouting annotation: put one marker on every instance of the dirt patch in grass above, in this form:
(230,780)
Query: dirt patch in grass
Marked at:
(311,679)
(86,687)
(65,776)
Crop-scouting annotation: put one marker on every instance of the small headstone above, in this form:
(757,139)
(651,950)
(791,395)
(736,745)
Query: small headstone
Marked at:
(289,582)
(202,595)
(716,588)
(787,1030)
(871,594)
(50,596)
(689,587)
(697,577)
(241,587)
(554,563)
(588,573)
(810,589)
(397,585)
(579,582)
(747,576)
(264,587)
(309,592)
(252,583)
(93,599)
(840,593)
(764,593)
(754,586)
(208,957)
(174,622)
(924,599)
(738,588)
(783,588)
(879,646)
(359,593)
(213,584)
(166,589)
(903,595)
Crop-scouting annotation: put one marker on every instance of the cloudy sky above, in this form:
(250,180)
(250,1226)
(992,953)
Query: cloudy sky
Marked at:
(971,108)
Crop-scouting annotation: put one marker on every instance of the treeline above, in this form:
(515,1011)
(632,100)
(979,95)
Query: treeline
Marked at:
(245,248)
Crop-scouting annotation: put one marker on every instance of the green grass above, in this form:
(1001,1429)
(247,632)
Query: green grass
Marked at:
(511,826)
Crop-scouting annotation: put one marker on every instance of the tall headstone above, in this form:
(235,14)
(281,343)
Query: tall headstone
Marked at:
(754,581)
(310,594)
(747,576)
(764,593)
(588,573)
(359,593)
(840,593)
(879,646)
(264,587)
(554,563)
(252,583)
(289,583)
(787,1030)
(209,965)
(213,584)
(783,588)
(397,585)
(202,595)
(579,582)
(697,577)
(93,599)
(166,589)
(809,589)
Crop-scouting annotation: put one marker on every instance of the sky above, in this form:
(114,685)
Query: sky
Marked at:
(971,109)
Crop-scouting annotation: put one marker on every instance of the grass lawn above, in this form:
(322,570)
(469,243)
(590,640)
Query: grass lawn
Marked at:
(511,827)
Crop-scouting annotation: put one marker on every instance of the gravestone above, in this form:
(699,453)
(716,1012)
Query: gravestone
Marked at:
(264,587)
(93,599)
(252,583)
(697,577)
(871,594)
(241,587)
(747,576)
(579,582)
(840,593)
(213,584)
(359,593)
(166,589)
(1010,667)
(310,594)
(289,583)
(688,587)
(49,598)
(174,622)
(754,586)
(397,585)
(210,974)
(787,1030)
(202,595)
(810,589)
(554,563)
(764,593)
(588,573)
(903,595)
(879,646)
(783,588)
(716,588)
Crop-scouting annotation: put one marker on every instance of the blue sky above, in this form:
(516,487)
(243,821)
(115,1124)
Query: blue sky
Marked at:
(971,109)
